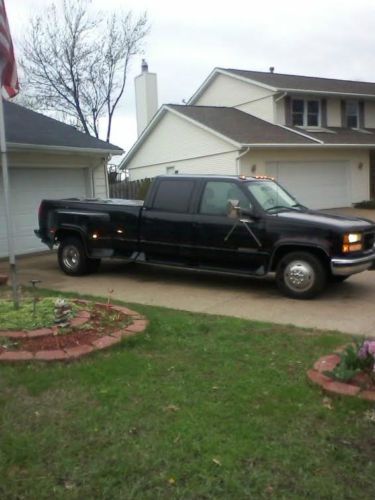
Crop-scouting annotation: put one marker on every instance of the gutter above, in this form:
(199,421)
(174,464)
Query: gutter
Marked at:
(239,157)
(284,94)
(15,146)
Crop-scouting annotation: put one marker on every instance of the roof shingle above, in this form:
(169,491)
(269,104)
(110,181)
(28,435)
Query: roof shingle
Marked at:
(241,127)
(27,127)
(309,83)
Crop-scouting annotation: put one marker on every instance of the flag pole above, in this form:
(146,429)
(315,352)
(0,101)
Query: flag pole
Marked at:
(8,217)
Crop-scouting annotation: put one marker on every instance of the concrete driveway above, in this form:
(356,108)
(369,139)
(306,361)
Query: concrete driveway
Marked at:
(348,307)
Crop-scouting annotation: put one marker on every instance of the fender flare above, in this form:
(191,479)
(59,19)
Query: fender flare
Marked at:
(298,244)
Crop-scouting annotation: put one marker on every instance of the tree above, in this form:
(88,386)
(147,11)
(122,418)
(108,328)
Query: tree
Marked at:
(75,62)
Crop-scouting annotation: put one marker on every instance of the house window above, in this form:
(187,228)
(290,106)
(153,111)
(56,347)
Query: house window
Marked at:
(170,170)
(306,112)
(352,114)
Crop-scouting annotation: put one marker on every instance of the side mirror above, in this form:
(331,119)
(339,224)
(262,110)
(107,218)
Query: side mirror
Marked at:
(234,211)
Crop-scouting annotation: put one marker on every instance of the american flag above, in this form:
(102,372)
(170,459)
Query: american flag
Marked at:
(8,69)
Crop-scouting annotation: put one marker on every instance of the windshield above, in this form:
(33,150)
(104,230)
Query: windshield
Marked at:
(272,197)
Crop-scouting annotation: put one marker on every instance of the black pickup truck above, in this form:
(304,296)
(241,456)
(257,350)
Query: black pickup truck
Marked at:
(238,225)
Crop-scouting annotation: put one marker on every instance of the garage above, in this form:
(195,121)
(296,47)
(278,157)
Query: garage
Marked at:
(28,187)
(315,184)
(47,159)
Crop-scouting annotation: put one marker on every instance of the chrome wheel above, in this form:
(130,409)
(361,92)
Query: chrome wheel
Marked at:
(71,257)
(299,276)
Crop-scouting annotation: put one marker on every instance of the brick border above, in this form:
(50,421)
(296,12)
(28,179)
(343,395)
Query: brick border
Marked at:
(328,363)
(138,324)
(81,318)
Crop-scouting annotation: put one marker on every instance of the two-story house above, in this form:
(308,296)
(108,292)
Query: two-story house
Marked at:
(316,136)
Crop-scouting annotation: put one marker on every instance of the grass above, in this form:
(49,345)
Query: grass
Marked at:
(197,407)
(24,317)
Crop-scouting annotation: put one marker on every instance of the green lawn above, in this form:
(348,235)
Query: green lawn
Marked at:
(197,407)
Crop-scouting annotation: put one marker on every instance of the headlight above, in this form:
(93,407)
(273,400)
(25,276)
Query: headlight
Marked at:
(353,242)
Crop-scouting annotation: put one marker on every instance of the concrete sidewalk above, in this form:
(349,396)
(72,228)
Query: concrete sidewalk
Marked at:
(348,307)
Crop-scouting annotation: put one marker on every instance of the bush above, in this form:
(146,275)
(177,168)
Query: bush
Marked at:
(365,204)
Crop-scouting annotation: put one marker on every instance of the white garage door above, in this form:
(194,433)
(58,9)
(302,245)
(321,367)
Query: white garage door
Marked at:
(314,184)
(28,187)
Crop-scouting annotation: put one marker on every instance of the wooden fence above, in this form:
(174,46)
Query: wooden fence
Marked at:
(129,190)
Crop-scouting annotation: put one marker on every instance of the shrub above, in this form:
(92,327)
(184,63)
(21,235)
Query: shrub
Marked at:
(356,358)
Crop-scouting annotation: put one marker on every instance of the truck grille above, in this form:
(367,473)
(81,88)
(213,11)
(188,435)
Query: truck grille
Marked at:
(369,241)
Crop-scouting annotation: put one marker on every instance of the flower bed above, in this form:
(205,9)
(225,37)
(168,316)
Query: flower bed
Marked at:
(96,326)
(350,372)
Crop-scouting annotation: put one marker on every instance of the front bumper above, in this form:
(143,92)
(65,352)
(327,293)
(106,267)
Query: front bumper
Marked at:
(345,266)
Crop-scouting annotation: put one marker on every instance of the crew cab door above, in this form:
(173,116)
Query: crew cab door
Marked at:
(225,242)
(166,224)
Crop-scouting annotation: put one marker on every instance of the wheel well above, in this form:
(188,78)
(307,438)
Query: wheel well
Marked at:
(61,234)
(284,250)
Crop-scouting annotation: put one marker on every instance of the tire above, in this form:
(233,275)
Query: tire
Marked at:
(72,257)
(301,275)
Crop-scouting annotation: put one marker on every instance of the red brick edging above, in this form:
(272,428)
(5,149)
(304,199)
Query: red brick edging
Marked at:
(138,324)
(328,363)
(81,318)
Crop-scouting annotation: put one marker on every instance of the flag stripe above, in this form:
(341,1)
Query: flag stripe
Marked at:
(8,69)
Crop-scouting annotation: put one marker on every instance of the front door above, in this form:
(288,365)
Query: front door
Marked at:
(226,242)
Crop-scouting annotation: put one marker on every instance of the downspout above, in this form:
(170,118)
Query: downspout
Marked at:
(238,159)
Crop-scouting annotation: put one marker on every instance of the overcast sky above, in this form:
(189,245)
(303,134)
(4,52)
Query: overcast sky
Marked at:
(329,38)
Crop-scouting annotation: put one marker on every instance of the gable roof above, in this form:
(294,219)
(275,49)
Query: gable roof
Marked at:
(278,82)
(285,82)
(26,129)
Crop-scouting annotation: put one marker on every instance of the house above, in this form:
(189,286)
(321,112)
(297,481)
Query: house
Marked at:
(316,136)
(47,159)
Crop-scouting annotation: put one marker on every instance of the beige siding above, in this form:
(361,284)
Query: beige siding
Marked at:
(175,139)
(219,164)
(261,108)
(370,114)
(333,112)
(228,91)
(254,163)
(99,182)
(279,112)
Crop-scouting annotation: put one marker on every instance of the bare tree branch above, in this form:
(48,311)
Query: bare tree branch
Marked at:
(75,62)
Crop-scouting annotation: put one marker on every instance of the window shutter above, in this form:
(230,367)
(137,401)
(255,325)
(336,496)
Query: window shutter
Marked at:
(361,114)
(288,111)
(323,111)
(343,114)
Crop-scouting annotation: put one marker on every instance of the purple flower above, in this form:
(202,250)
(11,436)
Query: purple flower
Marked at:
(364,350)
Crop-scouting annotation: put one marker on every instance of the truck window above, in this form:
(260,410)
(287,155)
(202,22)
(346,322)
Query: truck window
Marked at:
(216,196)
(173,195)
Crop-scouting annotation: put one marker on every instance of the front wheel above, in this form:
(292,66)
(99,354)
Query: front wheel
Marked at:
(72,257)
(301,275)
